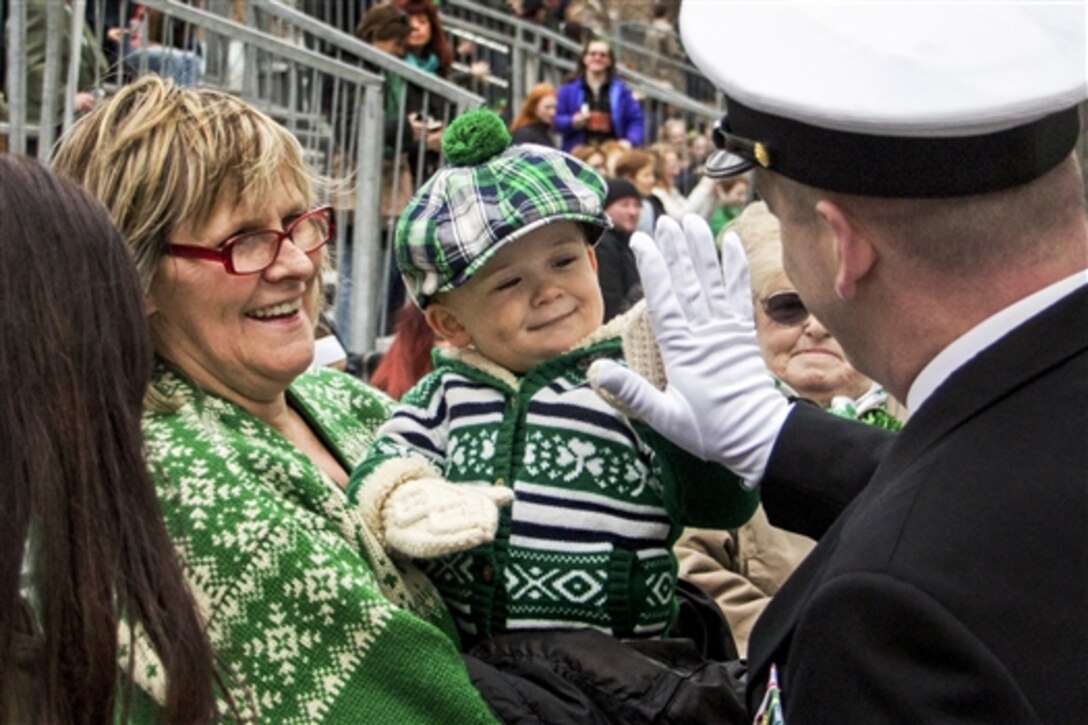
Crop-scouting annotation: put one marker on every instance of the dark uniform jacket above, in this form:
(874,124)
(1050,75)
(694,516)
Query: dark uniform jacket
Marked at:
(955,586)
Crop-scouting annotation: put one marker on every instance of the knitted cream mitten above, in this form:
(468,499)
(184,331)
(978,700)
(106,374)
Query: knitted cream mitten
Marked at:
(416,513)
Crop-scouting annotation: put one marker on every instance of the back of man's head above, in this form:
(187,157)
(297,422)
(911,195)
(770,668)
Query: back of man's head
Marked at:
(957,160)
(937,113)
(962,235)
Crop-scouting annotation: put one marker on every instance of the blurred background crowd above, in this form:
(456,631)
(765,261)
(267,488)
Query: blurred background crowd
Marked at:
(606,81)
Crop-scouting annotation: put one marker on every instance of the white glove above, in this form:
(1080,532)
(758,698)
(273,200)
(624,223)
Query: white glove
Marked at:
(424,518)
(720,403)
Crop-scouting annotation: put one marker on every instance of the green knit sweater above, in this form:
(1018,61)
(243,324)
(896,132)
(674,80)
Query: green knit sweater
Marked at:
(599,498)
(312,619)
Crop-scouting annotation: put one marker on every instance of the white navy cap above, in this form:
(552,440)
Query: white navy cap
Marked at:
(893,99)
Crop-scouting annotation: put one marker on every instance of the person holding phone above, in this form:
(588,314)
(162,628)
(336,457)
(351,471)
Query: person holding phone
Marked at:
(595,105)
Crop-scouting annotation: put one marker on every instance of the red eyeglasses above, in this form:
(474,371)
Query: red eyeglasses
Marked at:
(785,308)
(255,252)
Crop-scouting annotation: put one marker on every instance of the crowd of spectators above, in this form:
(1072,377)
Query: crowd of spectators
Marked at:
(592,113)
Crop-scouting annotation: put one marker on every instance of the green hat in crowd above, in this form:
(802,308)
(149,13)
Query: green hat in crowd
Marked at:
(487,195)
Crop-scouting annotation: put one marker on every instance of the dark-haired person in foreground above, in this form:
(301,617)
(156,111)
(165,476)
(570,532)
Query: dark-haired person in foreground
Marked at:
(932,217)
(87,565)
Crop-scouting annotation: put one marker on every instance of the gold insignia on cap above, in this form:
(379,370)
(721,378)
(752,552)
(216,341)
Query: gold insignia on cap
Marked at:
(763,156)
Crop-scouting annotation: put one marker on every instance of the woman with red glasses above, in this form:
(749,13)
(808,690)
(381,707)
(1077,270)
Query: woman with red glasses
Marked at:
(743,568)
(594,105)
(250,448)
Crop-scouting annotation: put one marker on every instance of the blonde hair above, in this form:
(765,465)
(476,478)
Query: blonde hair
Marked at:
(760,235)
(661,151)
(584,152)
(159,156)
(612,150)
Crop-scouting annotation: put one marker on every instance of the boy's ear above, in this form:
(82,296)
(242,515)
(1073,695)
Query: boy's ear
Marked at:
(445,323)
(592,256)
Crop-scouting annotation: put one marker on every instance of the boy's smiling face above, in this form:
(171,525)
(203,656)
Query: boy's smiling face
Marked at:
(536,298)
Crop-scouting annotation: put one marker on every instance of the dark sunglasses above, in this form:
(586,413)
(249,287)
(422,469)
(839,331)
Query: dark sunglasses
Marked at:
(785,308)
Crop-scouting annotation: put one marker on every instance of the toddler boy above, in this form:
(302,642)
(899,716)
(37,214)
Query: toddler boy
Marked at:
(496,249)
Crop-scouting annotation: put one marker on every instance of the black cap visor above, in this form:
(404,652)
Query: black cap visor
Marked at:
(890,166)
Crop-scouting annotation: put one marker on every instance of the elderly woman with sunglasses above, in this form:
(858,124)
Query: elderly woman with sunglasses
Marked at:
(743,568)
(806,360)
(249,447)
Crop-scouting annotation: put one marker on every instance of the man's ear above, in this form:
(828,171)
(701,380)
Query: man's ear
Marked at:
(854,253)
(444,322)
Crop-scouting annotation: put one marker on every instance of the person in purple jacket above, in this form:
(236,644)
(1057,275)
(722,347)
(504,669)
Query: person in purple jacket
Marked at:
(595,105)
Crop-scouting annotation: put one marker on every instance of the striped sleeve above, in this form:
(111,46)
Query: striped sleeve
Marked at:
(418,429)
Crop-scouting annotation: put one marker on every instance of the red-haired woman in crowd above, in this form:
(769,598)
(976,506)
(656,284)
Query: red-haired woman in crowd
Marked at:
(533,123)
(408,358)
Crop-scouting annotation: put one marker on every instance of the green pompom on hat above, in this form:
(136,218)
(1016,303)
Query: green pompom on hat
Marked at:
(488,194)
(475,137)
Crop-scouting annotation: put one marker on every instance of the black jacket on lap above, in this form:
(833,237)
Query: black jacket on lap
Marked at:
(587,677)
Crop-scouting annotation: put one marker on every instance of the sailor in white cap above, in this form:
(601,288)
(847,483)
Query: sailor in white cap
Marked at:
(919,158)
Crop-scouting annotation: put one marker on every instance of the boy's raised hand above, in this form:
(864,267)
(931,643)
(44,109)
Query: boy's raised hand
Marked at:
(720,403)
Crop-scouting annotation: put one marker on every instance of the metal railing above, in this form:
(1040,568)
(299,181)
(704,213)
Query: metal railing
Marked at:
(407,160)
(521,54)
(530,54)
(63,25)
(631,41)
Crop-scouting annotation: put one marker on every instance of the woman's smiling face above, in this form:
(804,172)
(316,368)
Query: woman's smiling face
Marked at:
(805,356)
(245,337)
(597,57)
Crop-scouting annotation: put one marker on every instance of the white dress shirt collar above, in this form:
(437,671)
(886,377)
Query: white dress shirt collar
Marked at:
(986,333)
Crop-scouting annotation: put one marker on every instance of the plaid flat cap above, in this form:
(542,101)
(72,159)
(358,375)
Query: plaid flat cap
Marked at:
(474,206)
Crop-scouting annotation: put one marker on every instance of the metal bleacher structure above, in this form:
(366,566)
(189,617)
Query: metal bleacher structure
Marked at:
(299,62)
